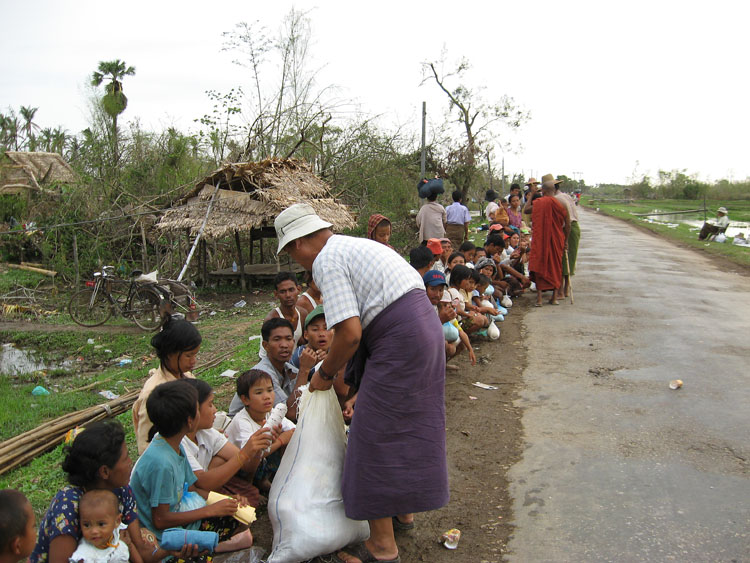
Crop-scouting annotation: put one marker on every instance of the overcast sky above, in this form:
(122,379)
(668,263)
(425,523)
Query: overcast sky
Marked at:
(612,88)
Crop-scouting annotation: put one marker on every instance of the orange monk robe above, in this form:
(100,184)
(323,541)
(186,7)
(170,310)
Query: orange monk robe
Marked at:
(547,243)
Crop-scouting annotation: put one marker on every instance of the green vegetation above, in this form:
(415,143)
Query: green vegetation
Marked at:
(738,211)
(225,338)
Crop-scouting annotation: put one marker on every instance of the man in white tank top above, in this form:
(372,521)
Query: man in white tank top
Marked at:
(310,298)
(287,290)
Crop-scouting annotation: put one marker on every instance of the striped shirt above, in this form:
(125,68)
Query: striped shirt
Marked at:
(360,277)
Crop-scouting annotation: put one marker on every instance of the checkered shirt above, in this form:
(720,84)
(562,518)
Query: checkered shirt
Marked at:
(360,277)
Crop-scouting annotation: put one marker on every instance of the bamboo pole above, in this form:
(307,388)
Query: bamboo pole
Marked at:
(144,248)
(25,447)
(75,258)
(42,271)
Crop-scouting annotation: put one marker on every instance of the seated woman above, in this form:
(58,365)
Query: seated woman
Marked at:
(453,260)
(97,458)
(177,346)
(216,462)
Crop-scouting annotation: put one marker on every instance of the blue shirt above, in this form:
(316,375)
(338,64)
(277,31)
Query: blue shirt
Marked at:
(159,477)
(457,214)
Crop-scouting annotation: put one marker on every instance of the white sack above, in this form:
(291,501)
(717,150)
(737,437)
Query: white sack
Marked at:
(305,503)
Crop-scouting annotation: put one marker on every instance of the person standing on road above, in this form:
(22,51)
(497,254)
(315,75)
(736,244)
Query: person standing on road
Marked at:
(458,218)
(378,308)
(550,228)
(569,261)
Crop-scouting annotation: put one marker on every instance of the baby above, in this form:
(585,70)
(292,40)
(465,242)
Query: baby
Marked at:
(101,522)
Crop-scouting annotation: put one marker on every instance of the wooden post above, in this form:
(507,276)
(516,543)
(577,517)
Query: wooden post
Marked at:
(144,248)
(260,243)
(240,262)
(157,251)
(252,245)
(75,257)
(204,256)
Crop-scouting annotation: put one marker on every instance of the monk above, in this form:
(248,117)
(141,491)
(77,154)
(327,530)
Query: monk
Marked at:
(550,229)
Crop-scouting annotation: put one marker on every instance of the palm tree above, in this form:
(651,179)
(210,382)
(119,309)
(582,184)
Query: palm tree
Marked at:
(114,101)
(27,113)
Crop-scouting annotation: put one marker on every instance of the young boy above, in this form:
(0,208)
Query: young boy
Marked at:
(162,477)
(318,338)
(456,339)
(101,521)
(17,527)
(255,390)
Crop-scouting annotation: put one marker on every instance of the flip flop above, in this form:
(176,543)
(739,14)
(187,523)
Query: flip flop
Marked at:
(400,526)
(360,551)
(537,304)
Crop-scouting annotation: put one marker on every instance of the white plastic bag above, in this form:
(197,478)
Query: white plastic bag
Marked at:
(305,504)
(492,331)
(721,237)
(506,302)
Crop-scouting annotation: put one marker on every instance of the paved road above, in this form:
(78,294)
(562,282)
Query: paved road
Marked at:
(617,467)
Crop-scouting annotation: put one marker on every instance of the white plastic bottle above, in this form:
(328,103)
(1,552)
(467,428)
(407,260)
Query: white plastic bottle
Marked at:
(275,417)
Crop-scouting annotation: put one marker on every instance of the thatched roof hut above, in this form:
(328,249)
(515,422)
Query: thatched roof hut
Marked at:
(250,196)
(26,172)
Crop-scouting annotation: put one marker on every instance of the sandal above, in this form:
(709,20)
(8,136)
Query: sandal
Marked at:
(360,551)
(400,526)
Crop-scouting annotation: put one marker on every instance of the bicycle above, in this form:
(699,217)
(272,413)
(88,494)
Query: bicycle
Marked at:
(106,295)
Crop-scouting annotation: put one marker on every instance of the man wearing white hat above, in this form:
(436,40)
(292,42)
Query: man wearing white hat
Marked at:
(722,222)
(383,322)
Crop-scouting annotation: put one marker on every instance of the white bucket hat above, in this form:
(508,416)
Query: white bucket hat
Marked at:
(297,221)
(722,210)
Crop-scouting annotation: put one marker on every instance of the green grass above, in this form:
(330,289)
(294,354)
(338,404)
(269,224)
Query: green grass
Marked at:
(738,211)
(20,411)
(14,278)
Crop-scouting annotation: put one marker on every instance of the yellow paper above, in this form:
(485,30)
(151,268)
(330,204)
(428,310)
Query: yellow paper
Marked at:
(244,514)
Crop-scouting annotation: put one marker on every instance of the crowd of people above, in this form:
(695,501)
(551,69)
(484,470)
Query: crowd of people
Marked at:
(353,329)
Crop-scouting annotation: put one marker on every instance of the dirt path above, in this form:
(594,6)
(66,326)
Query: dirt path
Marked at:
(484,440)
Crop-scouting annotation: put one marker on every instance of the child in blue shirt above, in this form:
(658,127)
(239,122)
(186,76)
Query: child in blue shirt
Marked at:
(163,482)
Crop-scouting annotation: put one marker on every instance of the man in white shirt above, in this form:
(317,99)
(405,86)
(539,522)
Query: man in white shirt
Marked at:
(722,222)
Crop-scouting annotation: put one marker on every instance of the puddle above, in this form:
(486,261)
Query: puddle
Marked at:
(17,361)
(695,222)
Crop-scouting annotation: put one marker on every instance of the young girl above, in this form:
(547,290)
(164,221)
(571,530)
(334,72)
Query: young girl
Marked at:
(482,300)
(163,482)
(216,462)
(177,346)
(255,390)
(461,286)
(453,260)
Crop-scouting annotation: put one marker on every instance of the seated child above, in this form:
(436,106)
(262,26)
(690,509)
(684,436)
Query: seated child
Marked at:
(318,338)
(468,249)
(218,464)
(482,295)
(255,390)
(17,527)
(163,483)
(456,339)
(461,286)
(177,345)
(101,522)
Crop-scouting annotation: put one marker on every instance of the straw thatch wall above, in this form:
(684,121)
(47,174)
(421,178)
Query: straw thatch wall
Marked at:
(31,171)
(250,196)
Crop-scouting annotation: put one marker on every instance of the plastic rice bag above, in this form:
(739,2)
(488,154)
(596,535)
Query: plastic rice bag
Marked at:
(305,504)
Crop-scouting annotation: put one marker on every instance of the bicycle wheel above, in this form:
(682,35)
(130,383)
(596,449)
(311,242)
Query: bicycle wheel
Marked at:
(145,309)
(88,308)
